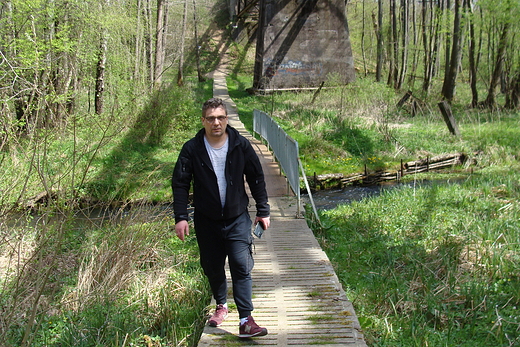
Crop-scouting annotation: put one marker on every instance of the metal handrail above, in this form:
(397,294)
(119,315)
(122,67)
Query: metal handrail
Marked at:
(285,150)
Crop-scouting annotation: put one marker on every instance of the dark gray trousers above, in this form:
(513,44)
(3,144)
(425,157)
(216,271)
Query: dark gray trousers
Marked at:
(232,239)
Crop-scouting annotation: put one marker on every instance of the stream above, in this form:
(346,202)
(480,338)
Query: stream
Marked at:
(331,198)
(327,199)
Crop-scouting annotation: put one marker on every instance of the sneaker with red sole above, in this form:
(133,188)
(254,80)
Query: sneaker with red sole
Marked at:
(218,317)
(251,329)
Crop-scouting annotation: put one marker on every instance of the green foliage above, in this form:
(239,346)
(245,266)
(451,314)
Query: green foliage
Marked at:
(354,126)
(98,159)
(135,281)
(133,160)
(103,281)
(432,264)
(427,264)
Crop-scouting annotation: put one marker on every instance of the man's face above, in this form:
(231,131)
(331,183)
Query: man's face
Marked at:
(215,122)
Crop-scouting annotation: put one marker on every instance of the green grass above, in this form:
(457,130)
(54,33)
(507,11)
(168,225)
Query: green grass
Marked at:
(117,157)
(357,125)
(116,283)
(424,265)
(433,265)
(70,278)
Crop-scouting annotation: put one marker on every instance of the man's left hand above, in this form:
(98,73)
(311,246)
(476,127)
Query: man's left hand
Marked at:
(266,221)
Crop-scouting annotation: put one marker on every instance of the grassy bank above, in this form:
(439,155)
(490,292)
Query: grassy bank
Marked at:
(85,280)
(433,265)
(349,127)
(95,261)
(425,265)
(126,155)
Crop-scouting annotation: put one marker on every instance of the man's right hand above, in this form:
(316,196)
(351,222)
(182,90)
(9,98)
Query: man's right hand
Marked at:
(182,229)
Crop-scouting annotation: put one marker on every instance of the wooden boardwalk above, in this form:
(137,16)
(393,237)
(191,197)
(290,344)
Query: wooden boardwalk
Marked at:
(296,293)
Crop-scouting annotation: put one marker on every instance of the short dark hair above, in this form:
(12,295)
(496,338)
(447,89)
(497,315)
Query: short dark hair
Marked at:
(213,103)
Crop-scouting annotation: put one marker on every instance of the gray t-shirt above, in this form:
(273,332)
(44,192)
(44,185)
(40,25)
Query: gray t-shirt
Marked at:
(218,160)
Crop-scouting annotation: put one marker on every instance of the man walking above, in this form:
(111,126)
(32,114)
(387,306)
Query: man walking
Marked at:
(217,160)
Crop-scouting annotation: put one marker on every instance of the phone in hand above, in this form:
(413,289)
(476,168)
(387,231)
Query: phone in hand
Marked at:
(259,230)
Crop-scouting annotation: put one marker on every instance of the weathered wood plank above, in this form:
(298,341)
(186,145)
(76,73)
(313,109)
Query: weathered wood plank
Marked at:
(366,178)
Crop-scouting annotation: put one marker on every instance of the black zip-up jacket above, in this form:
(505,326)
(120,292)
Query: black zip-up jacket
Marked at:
(194,164)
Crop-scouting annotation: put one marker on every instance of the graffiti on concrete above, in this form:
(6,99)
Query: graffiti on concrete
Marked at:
(293,68)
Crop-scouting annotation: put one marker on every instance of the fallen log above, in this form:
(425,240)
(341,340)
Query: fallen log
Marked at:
(328,177)
(325,179)
(353,178)
(366,178)
(460,157)
(441,165)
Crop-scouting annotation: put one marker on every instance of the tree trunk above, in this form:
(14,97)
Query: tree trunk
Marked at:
(394,47)
(426,38)
(100,75)
(258,82)
(180,74)
(149,43)
(162,15)
(415,52)
(197,45)
(101,69)
(138,42)
(363,39)
(395,40)
(13,90)
(379,35)
(472,57)
(513,93)
(490,101)
(436,44)
(448,89)
(445,108)
(63,72)
(447,40)
(405,37)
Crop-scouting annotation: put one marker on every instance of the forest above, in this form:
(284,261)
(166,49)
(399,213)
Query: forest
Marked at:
(64,58)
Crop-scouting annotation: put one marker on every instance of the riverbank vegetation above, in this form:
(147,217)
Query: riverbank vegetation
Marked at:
(433,264)
(93,260)
(90,135)
(91,124)
(424,264)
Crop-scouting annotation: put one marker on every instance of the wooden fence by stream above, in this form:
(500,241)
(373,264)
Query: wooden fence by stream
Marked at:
(339,180)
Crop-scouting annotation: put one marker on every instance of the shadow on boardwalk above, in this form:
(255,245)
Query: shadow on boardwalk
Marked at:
(296,293)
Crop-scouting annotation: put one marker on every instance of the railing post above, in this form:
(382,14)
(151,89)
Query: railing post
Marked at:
(285,151)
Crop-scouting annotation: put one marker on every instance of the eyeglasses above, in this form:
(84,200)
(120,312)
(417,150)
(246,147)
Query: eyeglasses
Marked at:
(213,119)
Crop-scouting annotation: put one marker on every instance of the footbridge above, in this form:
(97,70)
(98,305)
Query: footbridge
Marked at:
(296,293)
